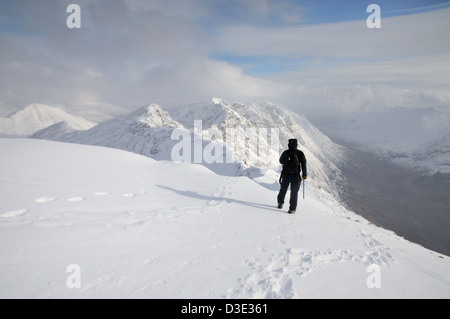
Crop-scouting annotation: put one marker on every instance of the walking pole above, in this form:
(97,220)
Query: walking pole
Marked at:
(304,189)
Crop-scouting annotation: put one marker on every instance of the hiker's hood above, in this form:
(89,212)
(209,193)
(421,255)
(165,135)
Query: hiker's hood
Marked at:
(293,143)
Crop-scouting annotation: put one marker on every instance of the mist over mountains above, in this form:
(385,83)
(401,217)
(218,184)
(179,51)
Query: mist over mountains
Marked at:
(416,138)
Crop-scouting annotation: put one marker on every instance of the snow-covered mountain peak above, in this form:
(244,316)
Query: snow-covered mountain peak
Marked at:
(39,112)
(36,117)
(220,113)
(154,116)
(211,112)
(37,107)
(217,100)
(265,112)
(145,131)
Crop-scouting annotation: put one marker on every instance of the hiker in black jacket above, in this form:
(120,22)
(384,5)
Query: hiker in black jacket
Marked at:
(294,166)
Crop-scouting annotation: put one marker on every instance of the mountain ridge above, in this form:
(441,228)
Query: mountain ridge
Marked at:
(255,134)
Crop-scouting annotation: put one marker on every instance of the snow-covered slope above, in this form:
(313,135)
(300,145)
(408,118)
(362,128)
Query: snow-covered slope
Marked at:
(57,130)
(36,117)
(145,131)
(120,225)
(246,139)
(413,137)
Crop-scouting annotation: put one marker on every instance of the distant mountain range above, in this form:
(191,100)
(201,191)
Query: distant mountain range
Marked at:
(235,139)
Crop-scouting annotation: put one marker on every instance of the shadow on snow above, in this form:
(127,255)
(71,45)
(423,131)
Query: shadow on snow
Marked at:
(195,195)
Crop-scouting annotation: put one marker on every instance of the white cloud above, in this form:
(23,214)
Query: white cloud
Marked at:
(282,11)
(197,78)
(405,36)
(186,9)
(126,54)
(347,66)
(327,88)
(131,53)
(93,73)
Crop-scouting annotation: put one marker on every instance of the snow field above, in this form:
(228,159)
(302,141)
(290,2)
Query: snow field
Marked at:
(138,228)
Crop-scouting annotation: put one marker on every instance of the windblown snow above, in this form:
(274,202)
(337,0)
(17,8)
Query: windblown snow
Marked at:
(127,226)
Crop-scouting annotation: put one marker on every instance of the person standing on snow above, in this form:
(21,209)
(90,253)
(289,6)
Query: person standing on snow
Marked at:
(294,166)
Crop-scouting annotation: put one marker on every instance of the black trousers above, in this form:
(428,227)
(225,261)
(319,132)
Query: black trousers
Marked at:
(294,181)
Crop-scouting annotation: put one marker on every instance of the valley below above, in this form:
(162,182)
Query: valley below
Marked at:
(414,206)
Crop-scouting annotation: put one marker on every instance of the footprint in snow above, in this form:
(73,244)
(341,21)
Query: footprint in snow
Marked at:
(14,213)
(76,199)
(46,199)
(132,196)
(101,193)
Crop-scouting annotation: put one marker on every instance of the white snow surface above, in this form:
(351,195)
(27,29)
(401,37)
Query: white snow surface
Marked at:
(36,117)
(140,228)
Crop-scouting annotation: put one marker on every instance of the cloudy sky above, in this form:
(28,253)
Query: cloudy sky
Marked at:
(315,57)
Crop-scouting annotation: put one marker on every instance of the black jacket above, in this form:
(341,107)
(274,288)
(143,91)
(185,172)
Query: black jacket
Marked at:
(301,158)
